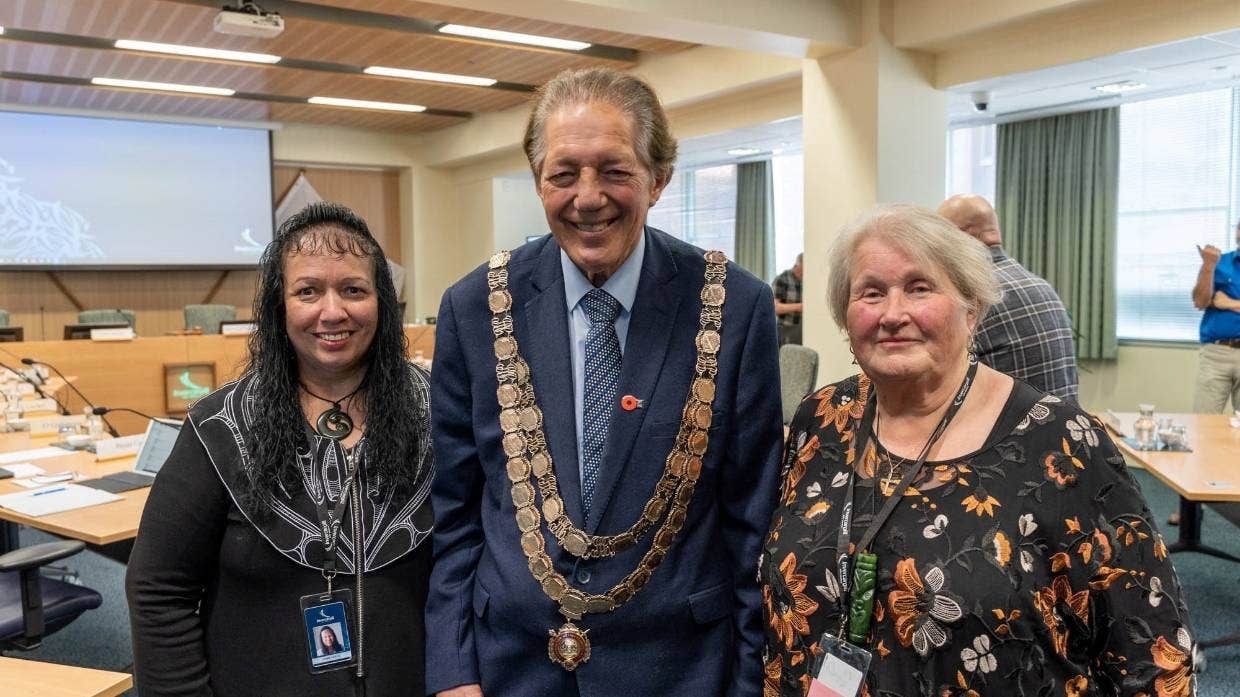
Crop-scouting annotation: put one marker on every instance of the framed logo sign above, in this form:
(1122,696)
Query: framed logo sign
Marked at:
(186,383)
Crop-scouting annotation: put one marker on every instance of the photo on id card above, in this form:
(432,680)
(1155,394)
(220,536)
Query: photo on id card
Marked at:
(327,634)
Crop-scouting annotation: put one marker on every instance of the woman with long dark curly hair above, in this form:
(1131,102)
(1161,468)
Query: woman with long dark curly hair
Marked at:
(296,496)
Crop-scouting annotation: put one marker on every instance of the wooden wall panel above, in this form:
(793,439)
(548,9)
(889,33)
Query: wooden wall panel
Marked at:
(372,194)
(130,373)
(158,297)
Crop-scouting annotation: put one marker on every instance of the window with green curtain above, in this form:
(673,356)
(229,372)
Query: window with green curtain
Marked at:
(1056,195)
(699,207)
(755,218)
(1177,189)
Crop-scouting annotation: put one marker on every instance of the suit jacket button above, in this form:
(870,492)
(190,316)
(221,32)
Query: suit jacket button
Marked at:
(583,576)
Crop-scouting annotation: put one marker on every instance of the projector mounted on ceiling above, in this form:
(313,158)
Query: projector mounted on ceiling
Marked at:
(248,19)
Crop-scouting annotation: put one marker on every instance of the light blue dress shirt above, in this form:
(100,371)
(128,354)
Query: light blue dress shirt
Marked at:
(622,285)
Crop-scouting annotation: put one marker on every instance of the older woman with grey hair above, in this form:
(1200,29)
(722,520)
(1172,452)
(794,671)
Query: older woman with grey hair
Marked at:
(944,528)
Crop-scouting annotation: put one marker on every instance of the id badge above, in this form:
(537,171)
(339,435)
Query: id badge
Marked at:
(842,669)
(327,618)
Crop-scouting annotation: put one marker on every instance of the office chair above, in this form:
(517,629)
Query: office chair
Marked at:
(117,316)
(208,317)
(798,371)
(31,606)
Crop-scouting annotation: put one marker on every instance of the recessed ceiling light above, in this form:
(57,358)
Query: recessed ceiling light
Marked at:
(198,51)
(161,86)
(514,37)
(434,77)
(365,104)
(1120,87)
(744,152)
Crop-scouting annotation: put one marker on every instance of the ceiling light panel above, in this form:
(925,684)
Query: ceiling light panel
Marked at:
(433,77)
(513,37)
(366,104)
(197,51)
(161,86)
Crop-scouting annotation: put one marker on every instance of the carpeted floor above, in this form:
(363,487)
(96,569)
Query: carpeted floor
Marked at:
(100,638)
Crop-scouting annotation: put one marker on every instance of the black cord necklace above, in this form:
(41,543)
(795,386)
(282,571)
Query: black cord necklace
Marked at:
(334,422)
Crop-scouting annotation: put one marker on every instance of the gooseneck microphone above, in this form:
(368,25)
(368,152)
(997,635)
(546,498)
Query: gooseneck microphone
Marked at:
(100,411)
(31,362)
(38,390)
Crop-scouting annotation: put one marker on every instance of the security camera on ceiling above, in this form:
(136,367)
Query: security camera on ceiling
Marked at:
(981,101)
(248,19)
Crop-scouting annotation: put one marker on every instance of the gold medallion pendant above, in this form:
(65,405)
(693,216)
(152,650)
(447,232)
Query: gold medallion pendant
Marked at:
(568,646)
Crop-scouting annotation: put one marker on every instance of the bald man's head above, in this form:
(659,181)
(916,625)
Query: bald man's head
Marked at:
(974,215)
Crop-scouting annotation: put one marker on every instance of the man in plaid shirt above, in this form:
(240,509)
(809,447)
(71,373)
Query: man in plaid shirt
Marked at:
(1027,334)
(787,289)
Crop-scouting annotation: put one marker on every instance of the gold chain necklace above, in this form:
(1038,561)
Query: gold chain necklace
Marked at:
(530,468)
(888,484)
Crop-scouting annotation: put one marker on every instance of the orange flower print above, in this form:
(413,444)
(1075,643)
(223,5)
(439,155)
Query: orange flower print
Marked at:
(805,452)
(1047,601)
(980,502)
(789,619)
(1077,686)
(848,408)
(1061,467)
(1001,549)
(770,687)
(918,608)
(1175,680)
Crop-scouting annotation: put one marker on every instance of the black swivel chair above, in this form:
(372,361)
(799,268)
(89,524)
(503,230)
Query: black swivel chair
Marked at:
(31,606)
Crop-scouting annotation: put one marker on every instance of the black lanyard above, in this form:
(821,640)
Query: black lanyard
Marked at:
(861,439)
(330,519)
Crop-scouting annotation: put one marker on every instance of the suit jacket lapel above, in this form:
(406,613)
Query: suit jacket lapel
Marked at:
(545,346)
(654,311)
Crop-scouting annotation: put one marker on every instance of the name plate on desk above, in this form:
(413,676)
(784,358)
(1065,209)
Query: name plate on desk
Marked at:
(48,424)
(112,334)
(35,405)
(236,328)
(112,448)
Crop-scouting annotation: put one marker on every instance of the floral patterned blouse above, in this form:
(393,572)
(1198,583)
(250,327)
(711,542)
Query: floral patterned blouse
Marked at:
(1028,568)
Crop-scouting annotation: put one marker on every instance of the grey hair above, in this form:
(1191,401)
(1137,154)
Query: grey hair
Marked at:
(632,96)
(934,244)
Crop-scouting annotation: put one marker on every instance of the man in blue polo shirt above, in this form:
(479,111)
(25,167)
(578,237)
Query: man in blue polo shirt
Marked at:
(1217,291)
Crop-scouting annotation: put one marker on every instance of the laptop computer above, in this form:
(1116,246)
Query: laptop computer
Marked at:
(161,434)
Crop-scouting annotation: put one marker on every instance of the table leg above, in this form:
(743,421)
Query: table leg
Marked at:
(1229,640)
(8,537)
(1190,533)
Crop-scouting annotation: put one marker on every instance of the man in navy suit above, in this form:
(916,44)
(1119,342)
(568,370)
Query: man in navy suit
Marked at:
(606,462)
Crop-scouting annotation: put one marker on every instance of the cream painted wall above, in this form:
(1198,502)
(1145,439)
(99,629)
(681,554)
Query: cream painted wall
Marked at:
(342,146)
(517,211)
(873,131)
(1142,374)
(762,104)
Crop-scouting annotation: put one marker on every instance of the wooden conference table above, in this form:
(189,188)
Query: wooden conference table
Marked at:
(37,679)
(1210,475)
(100,525)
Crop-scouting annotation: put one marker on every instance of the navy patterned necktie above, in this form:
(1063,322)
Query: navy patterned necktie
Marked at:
(602,376)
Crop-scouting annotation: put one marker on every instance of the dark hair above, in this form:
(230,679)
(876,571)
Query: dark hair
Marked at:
(390,400)
(629,94)
(335,646)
